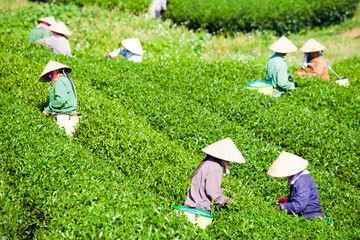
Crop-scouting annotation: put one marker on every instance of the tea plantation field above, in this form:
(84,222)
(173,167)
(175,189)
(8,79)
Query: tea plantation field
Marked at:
(138,144)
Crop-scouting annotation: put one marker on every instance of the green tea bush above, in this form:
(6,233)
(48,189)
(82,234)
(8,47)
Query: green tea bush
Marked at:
(133,6)
(282,17)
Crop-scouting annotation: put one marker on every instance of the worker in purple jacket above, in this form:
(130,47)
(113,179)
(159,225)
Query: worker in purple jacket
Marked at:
(206,183)
(304,197)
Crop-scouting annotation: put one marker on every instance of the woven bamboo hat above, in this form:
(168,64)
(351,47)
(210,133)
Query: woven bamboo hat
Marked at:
(48,20)
(52,66)
(133,45)
(312,46)
(225,150)
(283,45)
(286,165)
(61,28)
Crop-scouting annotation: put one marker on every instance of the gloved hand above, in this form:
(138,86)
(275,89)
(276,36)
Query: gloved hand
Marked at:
(290,78)
(281,200)
(108,56)
(296,84)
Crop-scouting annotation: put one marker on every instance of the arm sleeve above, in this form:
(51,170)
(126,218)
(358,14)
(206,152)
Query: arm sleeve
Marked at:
(283,79)
(115,53)
(213,188)
(42,41)
(60,92)
(299,201)
(304,64)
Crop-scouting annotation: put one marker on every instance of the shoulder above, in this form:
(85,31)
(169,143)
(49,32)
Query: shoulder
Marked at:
(62,80)
(212,166)
(276,59)
(305,179)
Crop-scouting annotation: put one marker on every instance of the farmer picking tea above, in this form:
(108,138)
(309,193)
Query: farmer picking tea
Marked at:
(206,183)
(156,7)
(58,43)
(303,199)
(314,63)
(132,50)
(62,100)
(276,67)
(42,30)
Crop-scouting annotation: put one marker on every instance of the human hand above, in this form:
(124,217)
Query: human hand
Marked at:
(108,56)
(44,112)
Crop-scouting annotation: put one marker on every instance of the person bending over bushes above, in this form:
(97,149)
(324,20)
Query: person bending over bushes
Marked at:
(206,183)
(133,50)
(314,63)
(62,100)
(58,43)
(304,197)
(42,30)
(276,67)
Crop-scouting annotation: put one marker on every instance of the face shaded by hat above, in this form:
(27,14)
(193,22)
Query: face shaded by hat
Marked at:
(60,28)
(48,20)
(312,46)
(133,45)
(283,45)
(225,150)
(286,165)
(52,66)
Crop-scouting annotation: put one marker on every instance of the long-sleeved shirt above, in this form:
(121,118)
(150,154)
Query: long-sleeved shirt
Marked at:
(57,44)
(206,187)
(128,55)
(303,199)
(307,61)
(158,5)
(38,33)
(320,68)
(62,98)
(276,72)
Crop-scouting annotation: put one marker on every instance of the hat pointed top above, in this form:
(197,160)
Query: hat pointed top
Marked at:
(286,165)
(61,28)
(52,66)
(133,45)
(225,150)
(49,20)
(312,46)
(283,45)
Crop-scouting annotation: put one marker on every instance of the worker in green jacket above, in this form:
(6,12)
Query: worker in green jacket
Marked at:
(276,67)
(42,30)
(62,99)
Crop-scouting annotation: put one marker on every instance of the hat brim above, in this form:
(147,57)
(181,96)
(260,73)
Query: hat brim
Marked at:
(52,66)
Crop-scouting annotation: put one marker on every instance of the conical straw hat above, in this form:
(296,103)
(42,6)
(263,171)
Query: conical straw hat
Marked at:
(283,45)
(133,45)
(61,28)
(52,66)
(49,20)
(287,165)
(225,150)
(312,46)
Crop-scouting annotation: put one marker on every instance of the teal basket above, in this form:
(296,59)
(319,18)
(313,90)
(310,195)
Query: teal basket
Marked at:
(195,211)
(261,86)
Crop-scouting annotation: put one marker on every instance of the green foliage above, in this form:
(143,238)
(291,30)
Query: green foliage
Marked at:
(283,16)
(133,6)
(139,142)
